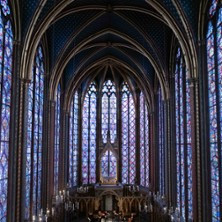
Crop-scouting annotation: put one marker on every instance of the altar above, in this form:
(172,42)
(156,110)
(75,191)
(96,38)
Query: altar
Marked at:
(124,199)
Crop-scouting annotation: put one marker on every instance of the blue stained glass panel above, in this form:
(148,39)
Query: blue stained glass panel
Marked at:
(214,65)
(6,49)
(89,115)
(73,141)
(34,138)
(213,7)
(144,142)
(109,165)
(109,114)
(92,155)
(5,7)
(183,138)
(128,136)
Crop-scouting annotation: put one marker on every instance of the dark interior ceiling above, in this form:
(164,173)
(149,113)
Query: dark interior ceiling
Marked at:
(116,29)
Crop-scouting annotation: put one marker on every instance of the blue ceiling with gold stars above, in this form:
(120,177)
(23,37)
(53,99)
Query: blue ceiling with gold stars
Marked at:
(132,32)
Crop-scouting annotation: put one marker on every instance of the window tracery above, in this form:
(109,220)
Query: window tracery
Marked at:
(109,111)
(128,113)
(183,138)
(6,50)
(214,67)
(73,140)
(34,137)
(89,122)
(144,142)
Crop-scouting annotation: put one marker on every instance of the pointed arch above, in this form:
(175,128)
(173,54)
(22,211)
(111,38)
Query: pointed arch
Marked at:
(183,137)
(74,140)
(89,122)
(109,111)
(128,116)
(34,137)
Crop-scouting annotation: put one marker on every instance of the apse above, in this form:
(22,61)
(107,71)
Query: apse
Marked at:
(110,110)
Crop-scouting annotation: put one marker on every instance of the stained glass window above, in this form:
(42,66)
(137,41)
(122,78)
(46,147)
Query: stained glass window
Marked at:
(73,140)
(109,165)
(144,142)
(109,106)
(6,49)
(183,138)
(34,137)
(161,142)
(57,137)
(128,136)
(214,66)
(89,114)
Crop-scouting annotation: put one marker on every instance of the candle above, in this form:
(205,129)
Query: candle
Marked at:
(53,211)
(47,211)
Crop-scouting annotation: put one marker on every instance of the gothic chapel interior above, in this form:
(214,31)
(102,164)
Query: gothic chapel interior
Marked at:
(111,110)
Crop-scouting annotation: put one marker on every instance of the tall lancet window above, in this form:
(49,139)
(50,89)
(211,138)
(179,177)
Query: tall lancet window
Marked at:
(128,115)
(6,49)
(144,142)
(161,143)
(57,137)
(34,137)
(89,135)
(73,140)
(214,66)
(183,138)
(109,129)
(109,107)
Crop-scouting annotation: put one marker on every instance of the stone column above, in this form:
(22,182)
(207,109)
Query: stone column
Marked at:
(205,187)
(62,142)
(14,124)
(21,150)
(45,146)
(50,155)
(66,149)
(196,151)
(153,156)
(168,157)
(172,180)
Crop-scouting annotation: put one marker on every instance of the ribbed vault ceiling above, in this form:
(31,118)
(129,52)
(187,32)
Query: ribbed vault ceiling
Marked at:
(120,33)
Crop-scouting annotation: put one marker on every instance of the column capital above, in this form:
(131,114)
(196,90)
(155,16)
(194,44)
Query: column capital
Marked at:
(16,42)
(25,81)
(193,81)
(52,102)
(201,42)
